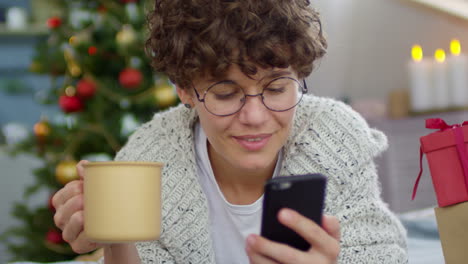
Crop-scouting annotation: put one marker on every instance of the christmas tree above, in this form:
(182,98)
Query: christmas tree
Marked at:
(104,86)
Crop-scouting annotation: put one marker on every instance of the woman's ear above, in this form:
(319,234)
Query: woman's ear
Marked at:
(185,95)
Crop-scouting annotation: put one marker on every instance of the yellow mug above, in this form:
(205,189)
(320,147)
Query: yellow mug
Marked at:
(122,201)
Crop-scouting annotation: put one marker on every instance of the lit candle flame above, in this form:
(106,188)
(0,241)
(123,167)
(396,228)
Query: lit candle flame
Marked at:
(455,47)
(417,53)
(439,55)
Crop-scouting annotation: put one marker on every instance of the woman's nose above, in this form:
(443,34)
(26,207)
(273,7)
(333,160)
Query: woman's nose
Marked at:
(254,111)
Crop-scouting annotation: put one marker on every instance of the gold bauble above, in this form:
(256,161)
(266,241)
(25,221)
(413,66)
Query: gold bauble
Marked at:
(70,90)
(66,172)
(36,67)
(126,36)
(75,70)
(165,95)
(73,40)
(41,129)
(80,38)
(72,64)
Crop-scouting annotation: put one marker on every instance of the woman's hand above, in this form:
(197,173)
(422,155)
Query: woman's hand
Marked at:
(68,203)
(325,242)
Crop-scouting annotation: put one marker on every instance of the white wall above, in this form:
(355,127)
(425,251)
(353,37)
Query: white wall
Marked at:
(332,72)
(370,43)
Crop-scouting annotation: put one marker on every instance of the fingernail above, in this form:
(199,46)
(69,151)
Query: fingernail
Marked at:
(286,215)
(250,240)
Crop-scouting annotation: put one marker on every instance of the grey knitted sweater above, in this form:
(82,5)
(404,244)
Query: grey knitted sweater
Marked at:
(328,137)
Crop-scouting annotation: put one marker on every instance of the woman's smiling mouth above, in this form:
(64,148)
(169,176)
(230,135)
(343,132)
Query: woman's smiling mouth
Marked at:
(253,142)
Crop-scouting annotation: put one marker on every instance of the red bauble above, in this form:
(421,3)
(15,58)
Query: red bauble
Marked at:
(92,50)
(54,236)
(130,78)
(70,104)
(85,88)
(54,22)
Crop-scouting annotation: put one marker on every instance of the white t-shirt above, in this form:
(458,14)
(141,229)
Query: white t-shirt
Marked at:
(230,223)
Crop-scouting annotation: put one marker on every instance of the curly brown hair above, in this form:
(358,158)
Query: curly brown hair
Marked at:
(192,38)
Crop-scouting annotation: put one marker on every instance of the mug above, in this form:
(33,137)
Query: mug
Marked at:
(122,201)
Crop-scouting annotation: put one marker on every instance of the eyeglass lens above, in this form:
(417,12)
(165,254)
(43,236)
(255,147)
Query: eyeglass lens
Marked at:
(226,98)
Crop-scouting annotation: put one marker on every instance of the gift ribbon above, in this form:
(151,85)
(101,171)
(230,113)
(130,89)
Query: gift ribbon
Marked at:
(438,123)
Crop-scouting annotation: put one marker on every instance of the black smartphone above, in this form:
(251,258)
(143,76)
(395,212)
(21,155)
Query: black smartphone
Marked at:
(302,193)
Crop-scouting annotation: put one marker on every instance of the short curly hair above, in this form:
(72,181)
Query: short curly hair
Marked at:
(192,38)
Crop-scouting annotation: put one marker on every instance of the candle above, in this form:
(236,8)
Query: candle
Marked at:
(458,65)
(420,81)
(439,71)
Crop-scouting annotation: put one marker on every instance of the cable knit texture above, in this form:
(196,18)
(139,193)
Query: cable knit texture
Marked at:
(328,137)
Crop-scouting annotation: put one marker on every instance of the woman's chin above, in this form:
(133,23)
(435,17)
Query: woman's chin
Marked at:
(253,165)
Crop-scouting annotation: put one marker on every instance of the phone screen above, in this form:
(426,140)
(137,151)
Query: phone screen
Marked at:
(302,193)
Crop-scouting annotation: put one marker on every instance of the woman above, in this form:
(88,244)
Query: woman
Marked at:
(239,68)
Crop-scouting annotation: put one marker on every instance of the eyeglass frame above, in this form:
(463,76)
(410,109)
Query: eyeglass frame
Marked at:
(304,90)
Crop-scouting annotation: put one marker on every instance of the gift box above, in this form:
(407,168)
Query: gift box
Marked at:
(447,155)
(451,222)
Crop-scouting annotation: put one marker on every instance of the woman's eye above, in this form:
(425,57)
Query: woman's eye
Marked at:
(224,96)
(225,92)
(275,90)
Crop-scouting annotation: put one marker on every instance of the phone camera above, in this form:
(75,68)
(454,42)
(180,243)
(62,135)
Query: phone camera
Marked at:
(282,186)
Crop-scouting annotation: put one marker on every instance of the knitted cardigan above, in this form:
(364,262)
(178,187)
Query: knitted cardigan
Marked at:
(327,137)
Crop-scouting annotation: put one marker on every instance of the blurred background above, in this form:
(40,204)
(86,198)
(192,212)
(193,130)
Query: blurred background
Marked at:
(371,64)
(370,44)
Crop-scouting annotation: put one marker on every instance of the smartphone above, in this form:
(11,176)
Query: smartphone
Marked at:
(302,193)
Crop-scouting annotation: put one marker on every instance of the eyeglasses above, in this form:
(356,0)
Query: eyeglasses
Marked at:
(227,98)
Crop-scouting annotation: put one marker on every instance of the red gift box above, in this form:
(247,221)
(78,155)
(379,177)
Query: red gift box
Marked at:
(447,155)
